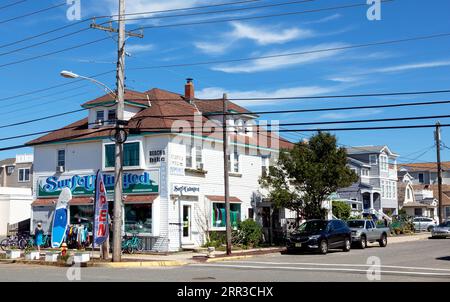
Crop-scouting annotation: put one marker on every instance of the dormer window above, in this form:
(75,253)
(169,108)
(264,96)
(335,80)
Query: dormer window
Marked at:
(99,117)
(112,116)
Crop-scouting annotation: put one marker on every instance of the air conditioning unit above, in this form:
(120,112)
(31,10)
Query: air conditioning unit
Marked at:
(98,123)
(200,166)
(60,169)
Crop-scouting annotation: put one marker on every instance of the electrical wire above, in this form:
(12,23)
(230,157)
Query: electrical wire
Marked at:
(12,4)
(33,13)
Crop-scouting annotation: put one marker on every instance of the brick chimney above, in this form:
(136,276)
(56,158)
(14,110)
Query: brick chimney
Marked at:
(189,92)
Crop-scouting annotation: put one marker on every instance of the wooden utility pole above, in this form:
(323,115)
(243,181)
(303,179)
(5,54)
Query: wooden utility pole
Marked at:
(120,133)
(226,172)
(437,137)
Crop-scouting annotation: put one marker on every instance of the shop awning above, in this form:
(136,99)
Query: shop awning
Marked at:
(42,202)
(222,198)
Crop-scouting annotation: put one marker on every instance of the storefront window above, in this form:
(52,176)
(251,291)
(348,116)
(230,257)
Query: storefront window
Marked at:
(138,218)
(130,155)
(219,216)
(82,215)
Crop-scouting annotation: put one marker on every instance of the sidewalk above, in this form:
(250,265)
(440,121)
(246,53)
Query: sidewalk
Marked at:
(408,238)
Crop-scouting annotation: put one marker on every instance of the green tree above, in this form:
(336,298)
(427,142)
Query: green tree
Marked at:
(341,209)
(307,174)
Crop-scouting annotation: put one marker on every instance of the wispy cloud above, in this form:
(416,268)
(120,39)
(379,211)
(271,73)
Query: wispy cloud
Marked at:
(261,35)
(412,66)
(217,92)
(137,48)
(276,63)
(341,116)
(325,19)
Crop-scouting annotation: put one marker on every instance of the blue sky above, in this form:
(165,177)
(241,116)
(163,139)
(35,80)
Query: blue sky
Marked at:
(420,65)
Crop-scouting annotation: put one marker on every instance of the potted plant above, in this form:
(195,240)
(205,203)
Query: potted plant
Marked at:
(31,254)
(13,253)
(52,255)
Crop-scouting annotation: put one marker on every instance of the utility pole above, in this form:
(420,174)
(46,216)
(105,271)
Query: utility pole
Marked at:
(437,137)
(225,173)
(120,135)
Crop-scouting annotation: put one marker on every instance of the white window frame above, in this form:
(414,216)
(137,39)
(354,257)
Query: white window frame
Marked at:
(141,156)
(365,172)
(214,228)
(372,161)
(24,180)
(102,121)
(384,166)
(57,158)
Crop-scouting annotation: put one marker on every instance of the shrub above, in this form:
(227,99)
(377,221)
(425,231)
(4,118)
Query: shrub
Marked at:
(249,232)
(341,210)
(216,239)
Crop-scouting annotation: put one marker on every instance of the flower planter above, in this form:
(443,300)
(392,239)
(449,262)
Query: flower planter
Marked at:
(51,256)
(32,256)
(82,257)
(13,254)
(211,252)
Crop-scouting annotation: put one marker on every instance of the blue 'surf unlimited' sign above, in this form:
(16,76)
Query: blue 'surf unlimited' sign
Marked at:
(84,185)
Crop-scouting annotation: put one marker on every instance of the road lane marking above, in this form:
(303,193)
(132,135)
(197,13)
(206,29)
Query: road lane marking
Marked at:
(323,269)
(343,265)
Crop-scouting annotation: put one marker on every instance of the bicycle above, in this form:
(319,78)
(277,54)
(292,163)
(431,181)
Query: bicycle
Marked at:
(130,245)
(13,242)
(45,239)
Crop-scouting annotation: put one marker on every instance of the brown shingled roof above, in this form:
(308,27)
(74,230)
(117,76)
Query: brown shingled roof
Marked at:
(161,115)
(130,95)
(424,166)
(434,188)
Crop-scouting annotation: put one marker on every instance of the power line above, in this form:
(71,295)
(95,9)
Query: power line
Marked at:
(12,4)
(220,11)
(33,13)
(53,87)
(253,17)
(433,36)
(242,59)
(102,17)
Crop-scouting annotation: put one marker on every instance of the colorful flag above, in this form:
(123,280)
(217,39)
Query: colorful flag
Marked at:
(101,223)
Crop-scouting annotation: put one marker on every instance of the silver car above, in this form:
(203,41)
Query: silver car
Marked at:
(424,224)
(441,231)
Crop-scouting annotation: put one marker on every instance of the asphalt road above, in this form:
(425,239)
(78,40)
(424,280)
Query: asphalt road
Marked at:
(424,260)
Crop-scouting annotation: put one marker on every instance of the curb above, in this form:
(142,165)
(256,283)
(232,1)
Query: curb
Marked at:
(139,264)
(404,239)
(218,259)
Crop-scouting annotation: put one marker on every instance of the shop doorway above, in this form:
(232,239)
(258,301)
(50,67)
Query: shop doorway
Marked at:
(187,224)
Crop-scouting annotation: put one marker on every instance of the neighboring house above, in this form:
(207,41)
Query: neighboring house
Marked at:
(426,173)
(376,189)
(15,192)
(173,182)
(416,200)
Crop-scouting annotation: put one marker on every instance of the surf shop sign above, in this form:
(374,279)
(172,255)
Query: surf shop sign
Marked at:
(84,185)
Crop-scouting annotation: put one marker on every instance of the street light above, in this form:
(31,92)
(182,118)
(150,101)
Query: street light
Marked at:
(71,75)
(120,137)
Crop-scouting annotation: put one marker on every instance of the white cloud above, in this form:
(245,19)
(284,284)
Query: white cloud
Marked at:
(341,116)
(217,92)
(304,57)
(136,48)
(267,35)
(138,6)
(261,35)
(406,67)
(325,19)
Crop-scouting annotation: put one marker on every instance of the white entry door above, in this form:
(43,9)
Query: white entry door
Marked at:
(186,213)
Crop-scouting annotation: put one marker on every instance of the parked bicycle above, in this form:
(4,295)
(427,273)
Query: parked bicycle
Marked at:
(132,244)
(45,239)
(13,242)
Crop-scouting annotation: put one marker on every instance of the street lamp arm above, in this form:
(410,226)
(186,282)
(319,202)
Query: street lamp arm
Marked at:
(109,90)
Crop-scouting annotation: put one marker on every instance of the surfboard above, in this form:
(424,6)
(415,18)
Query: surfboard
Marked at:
(61,218)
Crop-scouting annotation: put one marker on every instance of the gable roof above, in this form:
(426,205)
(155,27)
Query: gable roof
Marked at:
(369,150)
(7,162)
(167,110)
(417,167)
